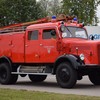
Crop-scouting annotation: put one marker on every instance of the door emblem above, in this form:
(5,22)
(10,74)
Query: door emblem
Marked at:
(49,48)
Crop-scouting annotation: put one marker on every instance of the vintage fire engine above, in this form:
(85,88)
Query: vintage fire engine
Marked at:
(57,46)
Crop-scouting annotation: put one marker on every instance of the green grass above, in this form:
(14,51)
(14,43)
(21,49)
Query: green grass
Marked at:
(8,94)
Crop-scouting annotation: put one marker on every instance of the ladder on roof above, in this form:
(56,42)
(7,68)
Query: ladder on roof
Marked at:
(22,26)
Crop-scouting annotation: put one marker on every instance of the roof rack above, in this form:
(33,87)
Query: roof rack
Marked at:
(22,26)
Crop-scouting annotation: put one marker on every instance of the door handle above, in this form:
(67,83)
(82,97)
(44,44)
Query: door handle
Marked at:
(26,45)
(41,44)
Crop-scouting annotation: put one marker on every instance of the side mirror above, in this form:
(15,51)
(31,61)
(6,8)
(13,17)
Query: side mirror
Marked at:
(53,32)
(62,28)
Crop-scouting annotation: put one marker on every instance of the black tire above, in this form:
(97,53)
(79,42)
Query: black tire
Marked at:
(5,74)
(94,77)
(37,78)
(66,76)
(14,78)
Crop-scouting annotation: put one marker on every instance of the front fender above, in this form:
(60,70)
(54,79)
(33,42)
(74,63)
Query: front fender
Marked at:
(72,59)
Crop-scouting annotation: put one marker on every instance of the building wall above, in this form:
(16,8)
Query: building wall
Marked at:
(93,30)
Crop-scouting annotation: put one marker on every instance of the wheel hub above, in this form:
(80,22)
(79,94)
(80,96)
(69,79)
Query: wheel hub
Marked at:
(65,75)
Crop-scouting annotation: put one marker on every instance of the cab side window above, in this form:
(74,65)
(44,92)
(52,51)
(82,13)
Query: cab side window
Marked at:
(33,35)
(48,34)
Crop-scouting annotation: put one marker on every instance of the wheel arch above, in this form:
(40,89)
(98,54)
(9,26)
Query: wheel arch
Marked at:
(73,60)
(4,59)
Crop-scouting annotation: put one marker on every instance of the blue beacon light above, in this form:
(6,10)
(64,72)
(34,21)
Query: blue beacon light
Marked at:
(53,19)
(75,19)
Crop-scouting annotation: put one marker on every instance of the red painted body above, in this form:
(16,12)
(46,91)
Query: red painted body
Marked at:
(59,46)
(17,47)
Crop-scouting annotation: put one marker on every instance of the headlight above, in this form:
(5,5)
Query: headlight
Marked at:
(82,56)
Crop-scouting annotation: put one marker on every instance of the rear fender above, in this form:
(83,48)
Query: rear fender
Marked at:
(4,59)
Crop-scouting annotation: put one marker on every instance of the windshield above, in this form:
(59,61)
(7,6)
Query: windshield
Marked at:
(75,32)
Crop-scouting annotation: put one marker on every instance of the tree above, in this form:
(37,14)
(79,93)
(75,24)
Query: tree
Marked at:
(85,10)
(44,6)
(17,11)
(55,7)
(51,7)
(3,13)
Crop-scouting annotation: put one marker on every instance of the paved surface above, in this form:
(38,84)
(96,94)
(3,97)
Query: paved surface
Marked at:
(83,87)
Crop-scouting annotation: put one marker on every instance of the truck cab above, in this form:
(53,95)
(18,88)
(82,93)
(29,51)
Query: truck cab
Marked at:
(49,39)
(41,44)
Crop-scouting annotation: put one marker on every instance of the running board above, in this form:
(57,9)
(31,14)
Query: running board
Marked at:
(38,70)
(31,73)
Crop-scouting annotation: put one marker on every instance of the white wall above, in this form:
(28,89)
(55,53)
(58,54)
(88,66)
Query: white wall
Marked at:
(93,30)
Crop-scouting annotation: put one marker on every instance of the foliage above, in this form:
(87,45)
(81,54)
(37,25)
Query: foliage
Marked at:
(17,11)
(85,10)
(51,7)
(55,7)
(44,6)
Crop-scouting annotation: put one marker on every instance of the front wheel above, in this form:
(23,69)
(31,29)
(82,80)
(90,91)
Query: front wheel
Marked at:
(37,78)
(94,77)
(66,76)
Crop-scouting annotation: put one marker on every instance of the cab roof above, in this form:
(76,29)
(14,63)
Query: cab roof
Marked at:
(42,25)
(51,24)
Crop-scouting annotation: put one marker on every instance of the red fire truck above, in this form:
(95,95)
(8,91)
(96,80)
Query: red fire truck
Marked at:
(57,46)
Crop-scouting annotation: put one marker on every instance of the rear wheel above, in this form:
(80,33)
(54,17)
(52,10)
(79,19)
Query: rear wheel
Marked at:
(66,76)
(5,74)
(94,77)
(37,78)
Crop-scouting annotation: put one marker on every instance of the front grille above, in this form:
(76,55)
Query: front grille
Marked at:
(98,53)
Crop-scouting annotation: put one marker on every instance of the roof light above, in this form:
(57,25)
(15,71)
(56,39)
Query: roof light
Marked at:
(53,17)
(75,19)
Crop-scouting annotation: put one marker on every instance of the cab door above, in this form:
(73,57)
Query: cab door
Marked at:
(32,46)
(48,45)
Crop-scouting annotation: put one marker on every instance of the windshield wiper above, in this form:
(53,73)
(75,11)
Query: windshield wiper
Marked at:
(69,30)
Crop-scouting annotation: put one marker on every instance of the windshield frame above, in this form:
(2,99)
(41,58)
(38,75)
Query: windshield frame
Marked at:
(71,32)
